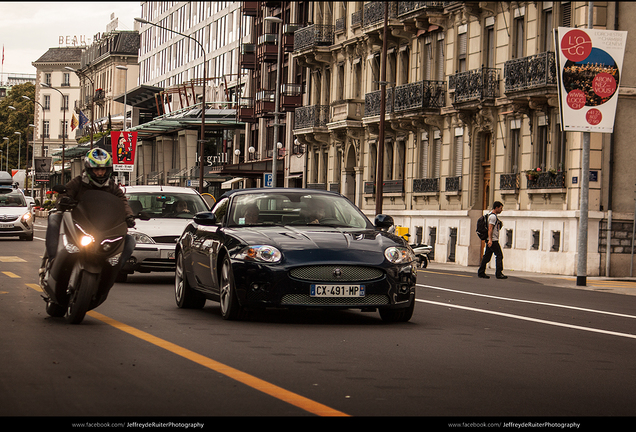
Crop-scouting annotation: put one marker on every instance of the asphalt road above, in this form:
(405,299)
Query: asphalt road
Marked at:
(521,349)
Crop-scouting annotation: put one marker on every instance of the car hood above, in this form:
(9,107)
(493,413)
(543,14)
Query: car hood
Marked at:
(160,227)
(322,244)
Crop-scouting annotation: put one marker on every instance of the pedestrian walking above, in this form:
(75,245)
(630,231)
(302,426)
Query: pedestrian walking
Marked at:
(492,244)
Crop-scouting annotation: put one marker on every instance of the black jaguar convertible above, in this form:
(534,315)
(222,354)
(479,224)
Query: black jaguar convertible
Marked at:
(293,248)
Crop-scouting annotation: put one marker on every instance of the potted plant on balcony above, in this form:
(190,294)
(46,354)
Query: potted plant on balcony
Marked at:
(533,173)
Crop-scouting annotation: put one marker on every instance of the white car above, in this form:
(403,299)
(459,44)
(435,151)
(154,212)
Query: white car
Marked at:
(162,213)
(16,218)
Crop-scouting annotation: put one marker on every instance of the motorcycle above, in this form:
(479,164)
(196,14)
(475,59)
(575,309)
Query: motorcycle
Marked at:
(91,240)
(421,252)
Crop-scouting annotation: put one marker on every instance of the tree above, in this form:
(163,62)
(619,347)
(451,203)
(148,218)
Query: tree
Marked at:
(17,120)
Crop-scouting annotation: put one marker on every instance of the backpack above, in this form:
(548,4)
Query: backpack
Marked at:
(482,227)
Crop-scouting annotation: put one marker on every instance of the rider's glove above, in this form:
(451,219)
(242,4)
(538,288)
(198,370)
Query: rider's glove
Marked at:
(130,221)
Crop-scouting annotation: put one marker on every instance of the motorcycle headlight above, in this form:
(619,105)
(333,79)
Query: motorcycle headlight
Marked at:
(86,240)
(262,253)
(399,255)
(142,238)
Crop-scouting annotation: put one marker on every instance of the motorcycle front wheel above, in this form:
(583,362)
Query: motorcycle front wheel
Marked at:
(81,297)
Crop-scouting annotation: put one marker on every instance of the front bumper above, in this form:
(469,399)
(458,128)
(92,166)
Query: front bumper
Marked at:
(157,257)
(259,285)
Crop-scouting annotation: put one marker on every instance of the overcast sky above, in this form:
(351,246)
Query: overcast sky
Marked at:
(29,29)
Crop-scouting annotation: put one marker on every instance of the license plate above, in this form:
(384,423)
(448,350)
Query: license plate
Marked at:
(167,254)
(6,225)
(336,291)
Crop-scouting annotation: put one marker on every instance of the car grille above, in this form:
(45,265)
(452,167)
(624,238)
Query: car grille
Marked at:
(335,273)
(307,300)
(8,218)
(166,239)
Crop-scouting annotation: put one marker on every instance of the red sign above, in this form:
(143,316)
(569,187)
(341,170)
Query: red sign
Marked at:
(124,145)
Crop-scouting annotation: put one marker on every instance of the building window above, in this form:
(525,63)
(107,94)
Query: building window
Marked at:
(47,78)
(519,33)
(459,151)
(541,147)
(66,80)
(47,102)
(46,129)
(548,27)
(513,147)
(489,43)
(424,150)
(462,47)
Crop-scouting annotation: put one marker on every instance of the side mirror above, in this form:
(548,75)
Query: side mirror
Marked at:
(205,218)
(383,221)
(143,216)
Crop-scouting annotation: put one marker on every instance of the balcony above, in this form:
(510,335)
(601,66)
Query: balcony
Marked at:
(313,36)
(374,13)
(267,49)
(426,185)
(454,184)
(349,109)
(265,103)
(532,74)
(250,8)
(288,37)
(388,187)
(547,180)
(247,57)
(477,85)
(291,97)
(422,95)
(246,111)
(373,100)
(311,117)
(509,182)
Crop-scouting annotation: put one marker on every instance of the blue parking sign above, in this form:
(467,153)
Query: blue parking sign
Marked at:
(267,179)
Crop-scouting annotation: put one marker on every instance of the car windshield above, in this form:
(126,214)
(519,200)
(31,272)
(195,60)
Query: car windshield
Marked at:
(295,208)
(11,198)
(166,205)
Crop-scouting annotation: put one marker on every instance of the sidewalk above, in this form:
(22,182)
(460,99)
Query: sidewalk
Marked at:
(626,285)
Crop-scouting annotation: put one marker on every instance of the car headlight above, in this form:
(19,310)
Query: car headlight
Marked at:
(399,255)
(262,253)
(26,218)
(141,238)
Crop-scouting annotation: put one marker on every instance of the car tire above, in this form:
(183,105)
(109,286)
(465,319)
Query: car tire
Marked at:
(230,307)
(185,296)
(398,315)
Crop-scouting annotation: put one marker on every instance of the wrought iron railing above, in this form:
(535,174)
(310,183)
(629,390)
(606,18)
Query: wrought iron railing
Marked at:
(421,94)
(426,185)
(475,85)
(527,73)
(356,18)
(405,7)
(453,184)
(547,180)
(509,181)
(311,116)
(373,101)
(374,13)
(313,35)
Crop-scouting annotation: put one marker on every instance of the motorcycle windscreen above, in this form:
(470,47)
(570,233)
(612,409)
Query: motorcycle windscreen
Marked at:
(102,210)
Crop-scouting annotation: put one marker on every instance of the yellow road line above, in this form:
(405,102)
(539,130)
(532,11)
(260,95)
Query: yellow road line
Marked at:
(249,380)
(11,275)
(11,259)
(35,287)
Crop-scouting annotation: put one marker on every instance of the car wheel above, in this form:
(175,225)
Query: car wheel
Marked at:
(398,315)
(230,307)
(185,296)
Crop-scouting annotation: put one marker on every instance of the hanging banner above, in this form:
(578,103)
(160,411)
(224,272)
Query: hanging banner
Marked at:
(42,169)
(589,65)
(124,145)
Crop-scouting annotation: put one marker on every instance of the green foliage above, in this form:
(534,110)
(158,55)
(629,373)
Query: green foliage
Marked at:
(17,120)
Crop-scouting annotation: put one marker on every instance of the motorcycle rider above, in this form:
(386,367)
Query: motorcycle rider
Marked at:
(97,175)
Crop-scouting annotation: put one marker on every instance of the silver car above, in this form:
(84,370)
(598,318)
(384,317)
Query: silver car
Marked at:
(16,218)
(162,214)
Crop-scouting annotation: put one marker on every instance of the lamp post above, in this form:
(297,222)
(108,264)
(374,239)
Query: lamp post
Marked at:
(32,158)
(63,125)
(28,98)
(279,66)
(19,147)
(92,96)
(125,69)
(202,137)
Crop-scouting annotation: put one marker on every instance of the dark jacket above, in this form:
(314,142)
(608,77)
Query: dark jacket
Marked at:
(80,184)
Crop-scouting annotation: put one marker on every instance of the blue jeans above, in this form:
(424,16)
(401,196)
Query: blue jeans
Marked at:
(494,249)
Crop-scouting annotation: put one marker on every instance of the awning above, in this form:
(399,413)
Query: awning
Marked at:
(228,184)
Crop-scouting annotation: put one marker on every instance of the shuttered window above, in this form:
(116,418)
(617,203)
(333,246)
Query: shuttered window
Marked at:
(424,149)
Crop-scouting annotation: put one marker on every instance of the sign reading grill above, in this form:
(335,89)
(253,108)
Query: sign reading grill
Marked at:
(336,290)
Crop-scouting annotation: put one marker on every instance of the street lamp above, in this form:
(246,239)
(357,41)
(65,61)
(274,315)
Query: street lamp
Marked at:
(28,98)
(202,138)
(19,146)
(64,127)
(276,95)
(92,96)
